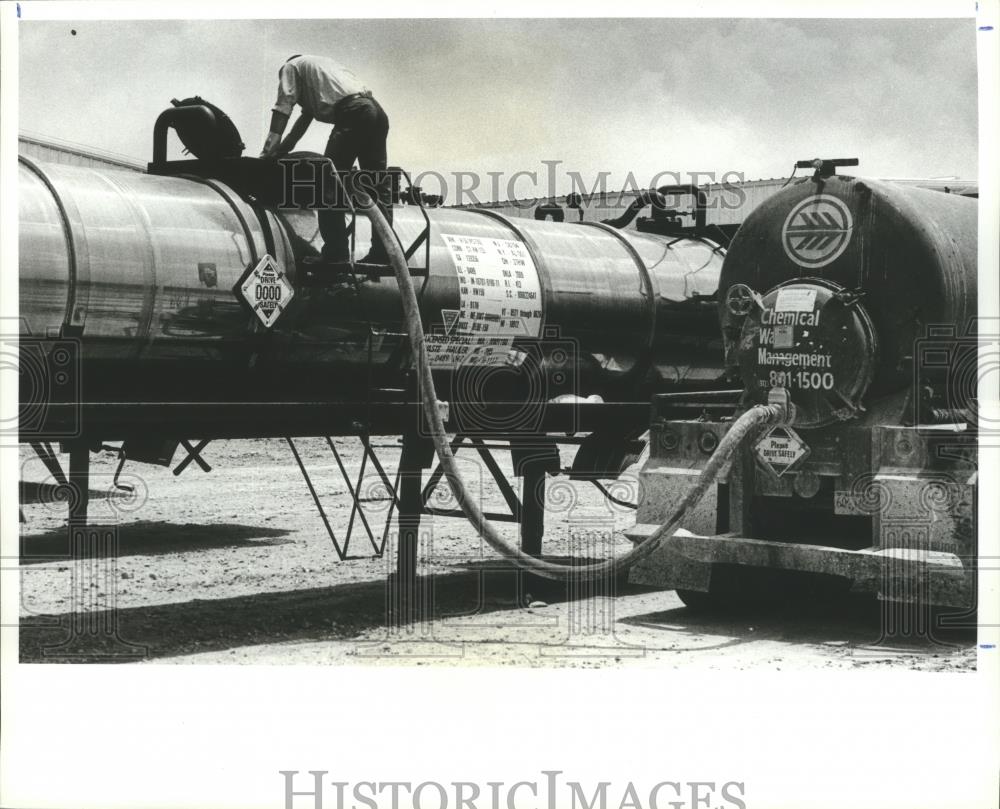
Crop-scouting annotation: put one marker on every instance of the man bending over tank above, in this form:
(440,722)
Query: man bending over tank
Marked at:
(331,94)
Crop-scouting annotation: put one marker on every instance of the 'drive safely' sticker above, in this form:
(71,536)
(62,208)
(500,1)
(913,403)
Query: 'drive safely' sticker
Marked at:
(781,449)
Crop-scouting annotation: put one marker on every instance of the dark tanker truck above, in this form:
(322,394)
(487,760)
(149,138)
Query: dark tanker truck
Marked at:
(856,300)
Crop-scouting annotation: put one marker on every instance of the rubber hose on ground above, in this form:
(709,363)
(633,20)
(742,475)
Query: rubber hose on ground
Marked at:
(742,427)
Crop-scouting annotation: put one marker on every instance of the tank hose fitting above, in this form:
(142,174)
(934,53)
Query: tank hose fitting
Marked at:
(745,426)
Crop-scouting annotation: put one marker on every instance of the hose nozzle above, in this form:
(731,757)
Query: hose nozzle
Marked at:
(781,403)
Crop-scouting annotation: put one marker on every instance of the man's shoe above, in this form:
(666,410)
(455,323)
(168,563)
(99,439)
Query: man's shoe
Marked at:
(376,257)
(322,263)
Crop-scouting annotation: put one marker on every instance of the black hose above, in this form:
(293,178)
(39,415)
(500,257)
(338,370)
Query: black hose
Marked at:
(741,429)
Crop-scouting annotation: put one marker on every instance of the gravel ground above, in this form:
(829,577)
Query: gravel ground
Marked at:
(234,566)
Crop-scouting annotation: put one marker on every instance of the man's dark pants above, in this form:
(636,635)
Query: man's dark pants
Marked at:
(360,130)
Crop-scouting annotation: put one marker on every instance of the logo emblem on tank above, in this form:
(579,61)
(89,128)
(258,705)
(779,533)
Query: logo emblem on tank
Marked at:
(817,231)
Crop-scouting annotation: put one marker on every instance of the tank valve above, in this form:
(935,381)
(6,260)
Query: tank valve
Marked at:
(741,299)
(739,302)
(825,167)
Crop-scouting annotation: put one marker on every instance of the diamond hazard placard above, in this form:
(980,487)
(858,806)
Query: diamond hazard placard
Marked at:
(266,291)
(781,449)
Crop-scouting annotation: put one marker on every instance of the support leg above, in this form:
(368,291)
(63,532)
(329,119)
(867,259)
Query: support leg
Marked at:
(533,508)
(533,457)
(44,451)
(410,502)
(79,481)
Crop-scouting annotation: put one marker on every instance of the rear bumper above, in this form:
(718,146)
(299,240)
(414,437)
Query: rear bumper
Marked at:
(900,574)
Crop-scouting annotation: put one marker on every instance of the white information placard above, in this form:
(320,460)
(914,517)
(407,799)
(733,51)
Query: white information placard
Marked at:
(499,299)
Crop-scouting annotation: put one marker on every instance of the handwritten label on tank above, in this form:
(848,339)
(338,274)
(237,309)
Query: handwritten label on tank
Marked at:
(499,299)
(795,300)
(783,337)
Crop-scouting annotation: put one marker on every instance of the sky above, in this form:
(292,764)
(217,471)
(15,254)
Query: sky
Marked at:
(600,95)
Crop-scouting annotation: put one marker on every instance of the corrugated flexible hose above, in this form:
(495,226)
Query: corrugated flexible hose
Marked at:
(742,428)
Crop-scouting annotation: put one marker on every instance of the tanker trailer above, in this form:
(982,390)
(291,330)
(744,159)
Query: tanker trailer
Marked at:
(141,270)
(136,325)
(852,302)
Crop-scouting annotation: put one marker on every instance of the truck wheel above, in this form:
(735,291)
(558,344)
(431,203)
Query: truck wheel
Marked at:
(699,601)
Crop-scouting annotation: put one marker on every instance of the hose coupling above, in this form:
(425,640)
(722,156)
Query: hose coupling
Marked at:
(781,406)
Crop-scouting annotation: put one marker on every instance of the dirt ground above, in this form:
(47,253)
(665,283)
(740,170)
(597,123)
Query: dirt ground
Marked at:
(235,566)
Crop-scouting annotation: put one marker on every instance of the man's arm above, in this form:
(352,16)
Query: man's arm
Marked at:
(279,120)
(295,133)
(282,109)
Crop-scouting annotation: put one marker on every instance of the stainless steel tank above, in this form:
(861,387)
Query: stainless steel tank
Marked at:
(140,269)
(137,266)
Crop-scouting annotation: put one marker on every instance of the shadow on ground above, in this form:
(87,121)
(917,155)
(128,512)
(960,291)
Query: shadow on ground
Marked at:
(345,612)
(341,612)
(851,620)
(149,539)
(50,494)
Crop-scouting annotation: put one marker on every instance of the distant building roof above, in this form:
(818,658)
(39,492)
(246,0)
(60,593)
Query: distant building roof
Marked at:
(727,204)
(61,151)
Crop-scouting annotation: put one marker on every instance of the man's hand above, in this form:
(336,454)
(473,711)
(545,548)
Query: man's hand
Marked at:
(271,145)
(279,121)
(294,135)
